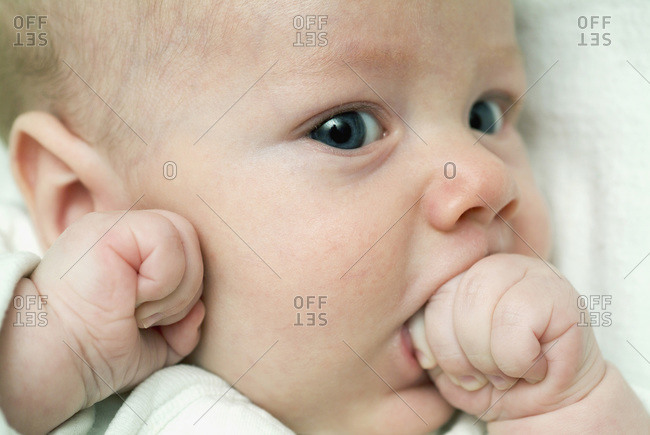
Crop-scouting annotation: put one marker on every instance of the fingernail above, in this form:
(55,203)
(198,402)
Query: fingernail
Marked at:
(149,321)
(498,382)
(472,383)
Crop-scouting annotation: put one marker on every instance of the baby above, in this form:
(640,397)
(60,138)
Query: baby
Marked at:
(200,172)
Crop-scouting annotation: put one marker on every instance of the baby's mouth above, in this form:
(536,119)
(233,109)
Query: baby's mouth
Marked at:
(421,348)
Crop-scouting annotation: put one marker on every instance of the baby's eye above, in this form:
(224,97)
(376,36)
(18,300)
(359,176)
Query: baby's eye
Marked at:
(348,130)
(486,117)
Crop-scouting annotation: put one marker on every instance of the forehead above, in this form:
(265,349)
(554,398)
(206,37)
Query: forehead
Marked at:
(398,34)
(188,47)
(376,33)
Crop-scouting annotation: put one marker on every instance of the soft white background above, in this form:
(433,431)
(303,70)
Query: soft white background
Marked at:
(586,124)
(587,127)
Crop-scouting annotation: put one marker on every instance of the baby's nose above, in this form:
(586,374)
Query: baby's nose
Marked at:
(476,185)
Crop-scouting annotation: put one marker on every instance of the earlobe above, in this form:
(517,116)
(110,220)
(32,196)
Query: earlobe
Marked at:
(60,176)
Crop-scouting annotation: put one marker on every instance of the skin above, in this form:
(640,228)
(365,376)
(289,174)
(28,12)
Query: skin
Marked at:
(317,203)
(97,315)
(293,217)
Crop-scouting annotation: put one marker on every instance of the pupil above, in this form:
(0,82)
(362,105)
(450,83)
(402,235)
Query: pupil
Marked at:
(340,132)
(475,121)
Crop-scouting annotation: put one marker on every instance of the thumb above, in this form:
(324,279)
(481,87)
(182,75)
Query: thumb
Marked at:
(162,346)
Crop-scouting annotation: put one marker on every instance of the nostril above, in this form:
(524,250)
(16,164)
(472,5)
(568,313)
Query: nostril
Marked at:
(474,213)
(486,213)
(509,210)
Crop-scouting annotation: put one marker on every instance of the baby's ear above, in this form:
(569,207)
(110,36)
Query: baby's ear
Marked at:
(60,176)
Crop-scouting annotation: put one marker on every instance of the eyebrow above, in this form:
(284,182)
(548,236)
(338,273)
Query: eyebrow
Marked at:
(361,53)
(354,52)
(371,56)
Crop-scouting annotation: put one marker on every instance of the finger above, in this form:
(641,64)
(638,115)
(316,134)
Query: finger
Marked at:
(471,402)
(423,352)
(480,291)
(533,313)
(183,336)
(153,355)
(174,306)
(442,339)
(160,319)
(167,345)
(118,252)
(151,244)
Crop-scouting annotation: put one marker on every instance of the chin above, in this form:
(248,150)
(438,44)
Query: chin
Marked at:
(417,410)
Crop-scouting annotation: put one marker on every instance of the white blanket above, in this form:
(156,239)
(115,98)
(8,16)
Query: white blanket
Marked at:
(586,125)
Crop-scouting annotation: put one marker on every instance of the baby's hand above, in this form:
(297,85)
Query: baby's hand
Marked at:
(116,311)
(502,342)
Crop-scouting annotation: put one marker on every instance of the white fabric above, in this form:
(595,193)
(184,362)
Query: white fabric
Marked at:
(586,125)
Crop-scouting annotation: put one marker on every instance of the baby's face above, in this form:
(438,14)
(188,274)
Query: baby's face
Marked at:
(340,191)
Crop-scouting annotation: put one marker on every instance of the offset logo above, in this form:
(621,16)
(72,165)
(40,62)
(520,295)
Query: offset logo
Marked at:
(597,314)
(309,310)
(29,310)
(310,30)
(593,31)
(30,30)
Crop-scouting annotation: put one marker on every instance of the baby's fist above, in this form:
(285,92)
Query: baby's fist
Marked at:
(105,295)
(510,323)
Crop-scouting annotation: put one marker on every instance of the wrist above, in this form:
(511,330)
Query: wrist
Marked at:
(611,407)
(40,384)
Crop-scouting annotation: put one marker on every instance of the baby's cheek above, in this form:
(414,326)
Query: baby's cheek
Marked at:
(534,226)
(532,220)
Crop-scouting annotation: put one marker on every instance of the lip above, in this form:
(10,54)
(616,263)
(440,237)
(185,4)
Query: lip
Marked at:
(407,346)
(423,288)
(416,375)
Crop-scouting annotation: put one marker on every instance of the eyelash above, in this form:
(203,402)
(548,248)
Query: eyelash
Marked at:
(370,108)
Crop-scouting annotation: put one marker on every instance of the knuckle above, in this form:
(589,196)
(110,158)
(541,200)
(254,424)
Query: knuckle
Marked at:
(166,225)
(168,233)
(471,295)
(179,223)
